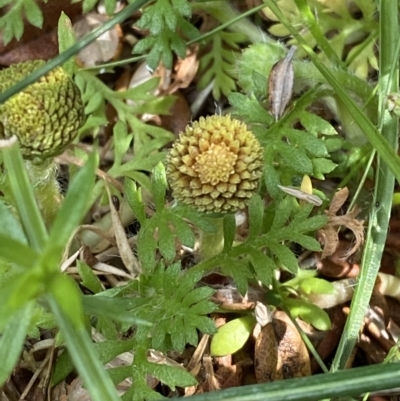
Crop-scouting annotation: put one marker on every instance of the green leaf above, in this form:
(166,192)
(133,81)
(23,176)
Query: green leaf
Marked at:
(116,309)
(68,297)
(171,376)
(263,265)
(146,245)
(10,227)
(295,158)
(89,279)
(12,340)
(249,109)
(316,285)
(73,209)
(272,180)
(159,186)
(17,252)
(239,271)
(82,353)
(232,336)
(122,140)
(33,13)
(311,224)
(310,313)
(258,58)
(106,351)
(166,239)
(256,215)
(283,211)
(285,256)
(197,295)
(315,124)
(306,242)
(322,166)
(216,66)
(134,198)
(25,288)
(24,198)
(66,39)
(182,231)
(306,141)
(88,5)
(196,218)
(229,227)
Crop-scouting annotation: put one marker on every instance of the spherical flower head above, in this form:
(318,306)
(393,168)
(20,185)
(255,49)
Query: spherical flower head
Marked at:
(45,116)
(215,165)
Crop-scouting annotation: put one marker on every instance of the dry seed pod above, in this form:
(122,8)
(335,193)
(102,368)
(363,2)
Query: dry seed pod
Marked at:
(280,84)
(280,353)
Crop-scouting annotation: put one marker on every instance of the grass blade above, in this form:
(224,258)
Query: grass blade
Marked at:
(81,350)
(12,341)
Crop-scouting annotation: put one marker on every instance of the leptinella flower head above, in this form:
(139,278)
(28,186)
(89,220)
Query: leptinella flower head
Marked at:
(215,165)
(45,116)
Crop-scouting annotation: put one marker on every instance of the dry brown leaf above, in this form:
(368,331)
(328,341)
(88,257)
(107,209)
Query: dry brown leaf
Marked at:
(105,48)
(329,234)
(125,249)
(280,352)
(280,84)
(185,70)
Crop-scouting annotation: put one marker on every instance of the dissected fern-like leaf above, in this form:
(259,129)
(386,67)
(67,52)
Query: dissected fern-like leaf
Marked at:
(12,22)
(176,308)
(162,19)
(218,63)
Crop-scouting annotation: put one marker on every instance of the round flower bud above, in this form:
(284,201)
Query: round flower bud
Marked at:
(45,116)
(215,165)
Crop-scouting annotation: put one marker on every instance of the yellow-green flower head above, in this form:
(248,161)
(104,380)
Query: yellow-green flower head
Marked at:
(215,165)
(45,116)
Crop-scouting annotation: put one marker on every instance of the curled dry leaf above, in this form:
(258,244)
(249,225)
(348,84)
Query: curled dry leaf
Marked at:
(335,265)
(329,234)
(185,70)
(280,352)
(125,249)
(280,84)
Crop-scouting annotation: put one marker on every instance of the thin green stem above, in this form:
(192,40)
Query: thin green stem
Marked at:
(384,184)
(316,31)
(317,387)
(234,21)
(228,17)
(360,186)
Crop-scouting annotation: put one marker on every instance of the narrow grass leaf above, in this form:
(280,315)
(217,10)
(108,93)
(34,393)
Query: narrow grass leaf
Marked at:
(17,252)
(12,340)
(84,357)
(24,197)
(75,205)
(69,298)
